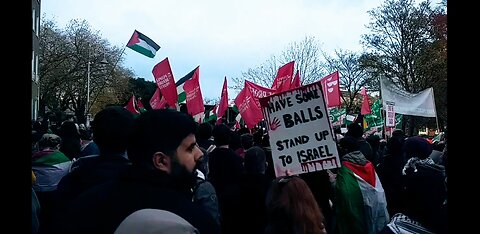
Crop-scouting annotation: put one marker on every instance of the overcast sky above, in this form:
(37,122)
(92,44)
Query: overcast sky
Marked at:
(224,37)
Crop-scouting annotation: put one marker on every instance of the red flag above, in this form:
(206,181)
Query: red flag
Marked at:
(249,108)
(223,105)
(258,91)
(158,101)
(365,105)
(162,73)
(331,89)
(296,81)
(140,106)
(131,106)
(284,77)
(194,94)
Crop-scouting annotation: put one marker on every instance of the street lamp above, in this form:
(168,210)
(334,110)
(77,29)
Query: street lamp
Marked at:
(104,61)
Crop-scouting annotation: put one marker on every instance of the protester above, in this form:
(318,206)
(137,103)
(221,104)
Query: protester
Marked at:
(360,204)
(225,165)
(111,128)
(247,203)
(71,142)
(291,208)
(163,152)
(355,130)
(424,185)
(225,170)
(390,173)
(204,193)
(49,165)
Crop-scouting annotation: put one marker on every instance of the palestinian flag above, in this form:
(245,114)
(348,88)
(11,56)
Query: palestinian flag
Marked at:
(143,44)
(361,206)
(182,95)
(49,166)
(212,114)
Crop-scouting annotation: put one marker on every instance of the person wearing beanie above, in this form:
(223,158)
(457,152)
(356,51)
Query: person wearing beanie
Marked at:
(424,189)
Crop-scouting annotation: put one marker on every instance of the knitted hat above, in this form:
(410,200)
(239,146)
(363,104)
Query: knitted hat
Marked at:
(417,147)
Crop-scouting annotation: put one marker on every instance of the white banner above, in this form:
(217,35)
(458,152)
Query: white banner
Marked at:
(300,135)
(417,104)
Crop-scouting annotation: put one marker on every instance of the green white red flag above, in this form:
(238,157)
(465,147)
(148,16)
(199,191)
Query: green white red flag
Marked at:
(143,44)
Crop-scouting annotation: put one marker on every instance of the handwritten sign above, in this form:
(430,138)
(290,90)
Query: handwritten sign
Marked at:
(300,133)
(390,114)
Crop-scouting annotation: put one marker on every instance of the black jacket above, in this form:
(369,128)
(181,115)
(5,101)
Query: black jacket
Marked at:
(102,208)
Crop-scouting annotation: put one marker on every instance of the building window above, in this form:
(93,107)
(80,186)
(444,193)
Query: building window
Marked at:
(33,65)
(33,19)
(38,25)
(36,67)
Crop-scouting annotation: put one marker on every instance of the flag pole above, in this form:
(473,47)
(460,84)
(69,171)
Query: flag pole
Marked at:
(435,106)
(228,110)
(382,112)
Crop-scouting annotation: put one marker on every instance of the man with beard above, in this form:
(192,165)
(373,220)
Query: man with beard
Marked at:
(164,153)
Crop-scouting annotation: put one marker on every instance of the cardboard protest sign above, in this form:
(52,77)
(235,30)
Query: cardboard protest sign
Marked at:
(300,133)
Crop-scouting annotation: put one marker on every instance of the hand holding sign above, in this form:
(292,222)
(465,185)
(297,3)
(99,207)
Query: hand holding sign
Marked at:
(299,131)
(274,124)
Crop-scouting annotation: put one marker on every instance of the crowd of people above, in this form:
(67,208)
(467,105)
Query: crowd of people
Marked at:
(161,172)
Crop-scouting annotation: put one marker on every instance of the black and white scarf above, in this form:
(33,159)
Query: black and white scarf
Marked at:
(402,224)
(414,161)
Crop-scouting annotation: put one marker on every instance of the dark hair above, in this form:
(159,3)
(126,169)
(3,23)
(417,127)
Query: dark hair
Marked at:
(398,133)
(355,130)
(255,160)
(69,129)
(49,141)
(204,131)
(111,128)
(221,134)
(158,130)
(246,140)
(85,134)
(257,137)
(235,142)
(349,144)
(292,208)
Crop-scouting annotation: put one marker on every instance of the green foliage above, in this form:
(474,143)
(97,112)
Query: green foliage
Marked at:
(142,89)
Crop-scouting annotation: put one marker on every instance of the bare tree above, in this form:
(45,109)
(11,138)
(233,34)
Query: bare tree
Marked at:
(306,55)
(211,101)
(65,56)
(352,77)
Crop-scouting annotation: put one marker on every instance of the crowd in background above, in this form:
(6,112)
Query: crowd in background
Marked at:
(163,172)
